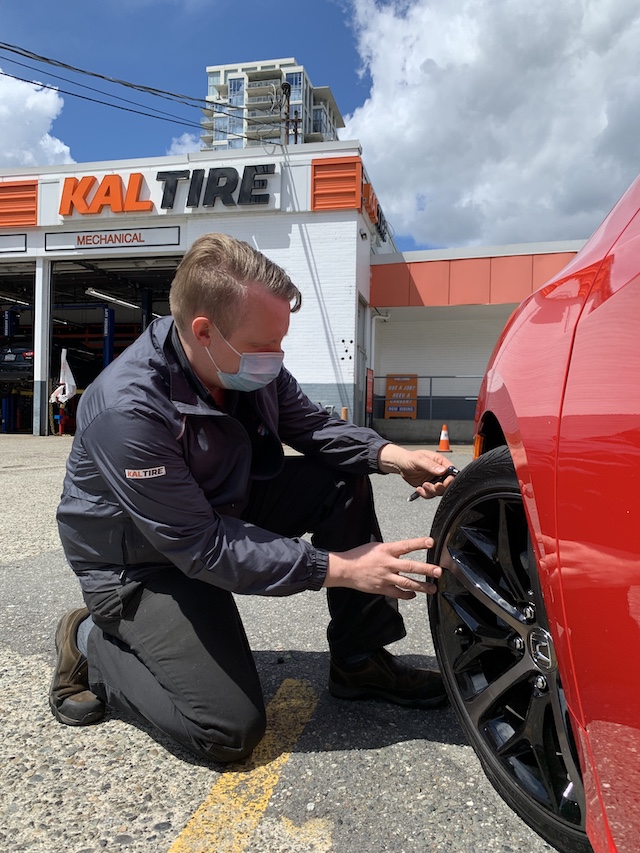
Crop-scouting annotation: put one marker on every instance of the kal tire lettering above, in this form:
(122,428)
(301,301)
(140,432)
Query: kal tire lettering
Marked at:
(110,193)
(221,183)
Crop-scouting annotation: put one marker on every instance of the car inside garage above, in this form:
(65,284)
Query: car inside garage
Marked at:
(98,307)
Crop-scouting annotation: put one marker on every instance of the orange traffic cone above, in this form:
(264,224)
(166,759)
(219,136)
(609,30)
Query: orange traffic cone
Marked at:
(444,440)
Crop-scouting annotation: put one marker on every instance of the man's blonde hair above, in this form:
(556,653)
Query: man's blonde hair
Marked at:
(213,280)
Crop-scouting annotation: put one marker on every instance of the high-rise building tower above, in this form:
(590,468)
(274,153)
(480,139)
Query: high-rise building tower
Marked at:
(272,101)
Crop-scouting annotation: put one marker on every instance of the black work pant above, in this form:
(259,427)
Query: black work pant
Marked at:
(173,650)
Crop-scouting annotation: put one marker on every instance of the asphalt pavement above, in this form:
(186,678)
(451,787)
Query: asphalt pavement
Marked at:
(330,776)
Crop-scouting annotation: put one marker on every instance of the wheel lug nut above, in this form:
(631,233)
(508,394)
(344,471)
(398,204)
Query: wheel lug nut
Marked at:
(529,612)
(460,631)
(540,682)
(518,644)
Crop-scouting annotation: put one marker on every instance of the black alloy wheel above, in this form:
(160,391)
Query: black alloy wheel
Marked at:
(496,654)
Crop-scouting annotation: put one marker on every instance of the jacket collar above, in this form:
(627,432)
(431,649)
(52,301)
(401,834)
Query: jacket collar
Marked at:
(197,386)
(186,391)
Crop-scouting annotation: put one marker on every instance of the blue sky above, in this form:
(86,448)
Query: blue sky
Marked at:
(167,44)
(481,123)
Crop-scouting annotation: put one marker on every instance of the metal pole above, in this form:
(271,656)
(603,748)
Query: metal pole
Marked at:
(286,92)
(146,306)
(41,346)
(108,335)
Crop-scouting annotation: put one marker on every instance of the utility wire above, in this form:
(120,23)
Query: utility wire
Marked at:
(187,100)
(102,103)
(160,117)
(209,105)
(88,88)
(28,54)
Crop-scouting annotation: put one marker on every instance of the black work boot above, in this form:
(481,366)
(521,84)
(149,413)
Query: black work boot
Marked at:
(71,701)
(382,676)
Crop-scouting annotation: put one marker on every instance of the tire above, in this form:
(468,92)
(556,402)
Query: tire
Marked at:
(490,633)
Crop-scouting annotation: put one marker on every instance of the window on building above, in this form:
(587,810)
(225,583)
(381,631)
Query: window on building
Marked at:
(236,91)
(236,123)
(220,129)
(320,123)
(295,81)
(214,79)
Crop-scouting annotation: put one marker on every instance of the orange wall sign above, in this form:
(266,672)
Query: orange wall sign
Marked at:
(110,192)
(88,196)
(401,396)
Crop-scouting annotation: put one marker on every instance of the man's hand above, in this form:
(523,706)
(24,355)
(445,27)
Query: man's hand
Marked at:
(417,467)
(376,568)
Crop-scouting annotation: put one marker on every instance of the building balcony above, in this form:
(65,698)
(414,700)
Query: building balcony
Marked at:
(262,129)
(267,114)
(264,84)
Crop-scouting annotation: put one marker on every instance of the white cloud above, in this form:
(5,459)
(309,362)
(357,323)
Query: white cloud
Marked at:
(491,123)
(184,144)
(27,112)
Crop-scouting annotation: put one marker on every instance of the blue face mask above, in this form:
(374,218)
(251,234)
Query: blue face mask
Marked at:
(256,370)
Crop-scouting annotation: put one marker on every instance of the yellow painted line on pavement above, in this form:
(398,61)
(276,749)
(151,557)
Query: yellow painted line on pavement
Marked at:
(227,819)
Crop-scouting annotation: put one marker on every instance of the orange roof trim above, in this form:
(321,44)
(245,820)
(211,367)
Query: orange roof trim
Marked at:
(18,204)
(463,281)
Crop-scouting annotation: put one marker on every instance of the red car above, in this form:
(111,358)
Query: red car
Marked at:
(536,621)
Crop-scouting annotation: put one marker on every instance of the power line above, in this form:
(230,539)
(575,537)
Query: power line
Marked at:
(102,103)
(28,54)
(171,96)
(185,100)
(83,86)
(161,116)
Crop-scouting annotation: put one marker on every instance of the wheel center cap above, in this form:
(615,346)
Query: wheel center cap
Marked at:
(541,649)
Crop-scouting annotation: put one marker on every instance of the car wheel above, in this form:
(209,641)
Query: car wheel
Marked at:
(496,655)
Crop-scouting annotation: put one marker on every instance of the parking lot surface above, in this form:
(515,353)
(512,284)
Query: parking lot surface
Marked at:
(330,775)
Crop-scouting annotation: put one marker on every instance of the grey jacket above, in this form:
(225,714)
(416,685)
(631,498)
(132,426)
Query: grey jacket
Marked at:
(158,476)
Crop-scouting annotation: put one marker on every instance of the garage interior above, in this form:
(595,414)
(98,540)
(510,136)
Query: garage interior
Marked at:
(99,307)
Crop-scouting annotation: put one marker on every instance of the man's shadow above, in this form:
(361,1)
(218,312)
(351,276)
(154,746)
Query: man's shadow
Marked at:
(335,724)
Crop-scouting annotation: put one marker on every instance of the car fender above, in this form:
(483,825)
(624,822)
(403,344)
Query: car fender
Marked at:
(522,393)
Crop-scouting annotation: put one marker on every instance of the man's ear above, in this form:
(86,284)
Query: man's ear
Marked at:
(201,329)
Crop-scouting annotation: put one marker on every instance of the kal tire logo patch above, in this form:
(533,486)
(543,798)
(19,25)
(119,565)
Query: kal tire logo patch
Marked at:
(144,473)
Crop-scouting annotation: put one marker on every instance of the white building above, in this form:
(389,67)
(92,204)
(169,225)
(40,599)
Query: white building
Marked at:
(88,252)
(271,101)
